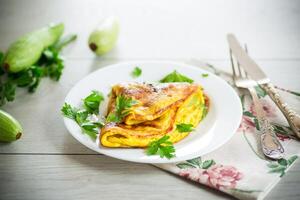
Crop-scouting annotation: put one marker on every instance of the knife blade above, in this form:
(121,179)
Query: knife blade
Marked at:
(253,70)
(261,78)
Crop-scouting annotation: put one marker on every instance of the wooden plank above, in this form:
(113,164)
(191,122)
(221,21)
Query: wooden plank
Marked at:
(99,177)
(40,177)
(39,113)
(170,29)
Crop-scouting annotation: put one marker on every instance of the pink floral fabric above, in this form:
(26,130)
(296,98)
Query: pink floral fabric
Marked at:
(218,176)
(247,124)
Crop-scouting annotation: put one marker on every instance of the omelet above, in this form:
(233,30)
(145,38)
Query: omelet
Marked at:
(158,109)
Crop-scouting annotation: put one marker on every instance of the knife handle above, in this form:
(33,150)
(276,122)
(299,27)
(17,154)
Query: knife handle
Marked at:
(292,117)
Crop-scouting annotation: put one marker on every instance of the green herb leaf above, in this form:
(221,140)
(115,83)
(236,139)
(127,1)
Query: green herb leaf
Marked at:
(184,127)
(69,111)
(81,116)
(162,147)
(175,77)
(122,106)
(272,165)
(207,164)
(205,75)
(256,124)
(196,161)
(185,166)
(248,113)
(260,91)
(292,159)
(136,72)
(283,162)
(278,169)
(92,102)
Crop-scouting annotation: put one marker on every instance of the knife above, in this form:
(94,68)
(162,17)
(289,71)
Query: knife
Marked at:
(255,72)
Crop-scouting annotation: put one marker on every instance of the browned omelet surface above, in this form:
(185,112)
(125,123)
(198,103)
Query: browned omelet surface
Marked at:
(159,108)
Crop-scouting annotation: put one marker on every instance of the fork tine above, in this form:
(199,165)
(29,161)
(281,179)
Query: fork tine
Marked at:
(232,66)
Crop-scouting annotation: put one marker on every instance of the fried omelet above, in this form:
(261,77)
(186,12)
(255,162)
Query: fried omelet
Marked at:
(158,110)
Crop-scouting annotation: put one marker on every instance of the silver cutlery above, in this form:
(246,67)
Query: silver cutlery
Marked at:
(271,146)
(260,77)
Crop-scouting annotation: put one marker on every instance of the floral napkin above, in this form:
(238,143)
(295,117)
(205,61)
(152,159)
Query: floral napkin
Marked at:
(239,168)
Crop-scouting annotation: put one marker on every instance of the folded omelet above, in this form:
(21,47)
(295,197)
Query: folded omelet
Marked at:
(157,111)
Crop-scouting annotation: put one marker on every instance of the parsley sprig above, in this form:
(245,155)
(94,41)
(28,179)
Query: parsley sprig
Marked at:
(176,77)
(50,65)
(82,116)
(136,72)
(182,128)
(162,147)
(122,109)
(92,102)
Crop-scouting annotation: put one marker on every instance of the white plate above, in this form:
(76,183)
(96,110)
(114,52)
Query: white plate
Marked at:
(216,129)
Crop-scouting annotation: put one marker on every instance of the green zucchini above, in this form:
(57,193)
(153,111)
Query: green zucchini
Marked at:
(27,50)
(10,128)
(104,38)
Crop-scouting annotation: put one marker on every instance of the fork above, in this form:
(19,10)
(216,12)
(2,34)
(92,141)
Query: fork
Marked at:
(270,144)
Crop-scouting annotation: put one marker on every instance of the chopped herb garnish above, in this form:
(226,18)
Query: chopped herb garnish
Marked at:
(121,109)
(161,147)
(136,72)
(175,77)
(184,127)
(204,75)
(69,111)
(82,116)
(92,102)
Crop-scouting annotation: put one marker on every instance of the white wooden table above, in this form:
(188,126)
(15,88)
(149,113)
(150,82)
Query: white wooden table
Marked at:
(47,163)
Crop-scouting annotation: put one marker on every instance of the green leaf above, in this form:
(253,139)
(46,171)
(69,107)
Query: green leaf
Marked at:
(248,113)
(260,91)
(185,166)
(292,159)
(136,72)
(207,164)
(283,162)
(69,111)
(162,147)
(9,91)
(279,169)
(196,161)
(92,102)
(81,116)
(272,165)
(205,75)
(175,77)
(243,101)
(184,127)
(90,132)
(280,130)
(256,124)
(122,106)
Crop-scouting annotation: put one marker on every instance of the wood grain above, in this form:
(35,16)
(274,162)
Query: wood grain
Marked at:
(171,29)
(28,177)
